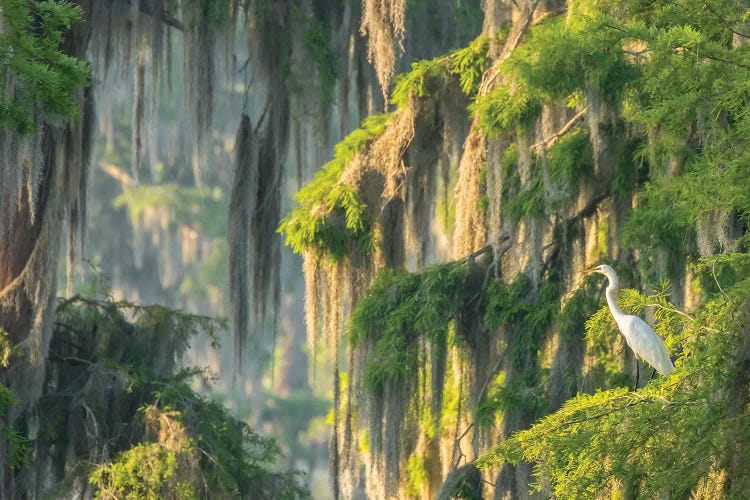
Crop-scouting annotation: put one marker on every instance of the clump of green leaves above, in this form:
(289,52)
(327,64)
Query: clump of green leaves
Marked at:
(564,55)
(660,219)
(195,449)
(145,471)
(469,64)
(331,215)
(507,108)
(571,159)
(558,60)
(399,310)
(526,314)
(669,437)
(167,440)
(32,62)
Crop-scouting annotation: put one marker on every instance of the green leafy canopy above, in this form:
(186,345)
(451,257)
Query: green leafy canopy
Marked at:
(33,65)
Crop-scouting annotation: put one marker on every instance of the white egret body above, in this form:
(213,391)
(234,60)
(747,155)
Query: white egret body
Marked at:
(641,338)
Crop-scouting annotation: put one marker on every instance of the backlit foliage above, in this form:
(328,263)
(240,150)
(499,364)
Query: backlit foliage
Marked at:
(609,131)
(166,441)
(314,223)
(667,438)
(399,312)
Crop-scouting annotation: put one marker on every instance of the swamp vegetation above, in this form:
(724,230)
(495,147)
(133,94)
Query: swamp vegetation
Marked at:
(442,173)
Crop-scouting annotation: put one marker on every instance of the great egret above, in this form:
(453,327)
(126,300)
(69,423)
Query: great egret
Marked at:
(641,338)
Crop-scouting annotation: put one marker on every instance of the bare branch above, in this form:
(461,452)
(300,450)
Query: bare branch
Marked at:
(552,140)
(486,85)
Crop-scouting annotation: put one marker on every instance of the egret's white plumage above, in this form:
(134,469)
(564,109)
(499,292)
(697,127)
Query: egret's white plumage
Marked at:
(641,338)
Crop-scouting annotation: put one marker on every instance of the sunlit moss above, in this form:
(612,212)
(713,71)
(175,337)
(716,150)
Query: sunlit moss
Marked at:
(315,224)
(401,309)
(602,429)
(469,64)
(417,474)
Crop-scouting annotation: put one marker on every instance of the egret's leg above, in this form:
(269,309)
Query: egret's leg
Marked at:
(637,374)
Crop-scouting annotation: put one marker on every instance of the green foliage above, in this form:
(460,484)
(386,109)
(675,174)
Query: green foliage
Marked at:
(526,395)
(526,315)
(414,83)
(318,45)
(507,108)
(558,60)
(140,336)
(146,471)
(529,202)
(577,309)
(399,310)
(469,64)
(200,449)
(571,159)
(468,488)
(19,446)
(510,303)
(724,272)
(562,56)
(493,404)
(179,444)
(668,437)
(31,60)
(417,474)
(661,219)
(691,100)
(331,215)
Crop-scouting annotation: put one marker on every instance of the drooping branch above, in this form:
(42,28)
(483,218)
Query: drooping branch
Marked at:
(508,49)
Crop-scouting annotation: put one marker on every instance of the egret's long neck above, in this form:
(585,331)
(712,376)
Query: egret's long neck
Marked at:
(610,293)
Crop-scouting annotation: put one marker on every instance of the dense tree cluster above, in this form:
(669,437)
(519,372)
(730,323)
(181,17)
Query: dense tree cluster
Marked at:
(600,131)
(442,245)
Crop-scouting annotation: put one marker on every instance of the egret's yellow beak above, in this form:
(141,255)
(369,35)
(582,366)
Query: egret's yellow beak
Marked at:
(588,271)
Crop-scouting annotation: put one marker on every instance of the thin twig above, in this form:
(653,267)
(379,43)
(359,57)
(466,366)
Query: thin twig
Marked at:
(724,21)
(549,142)
(716,280)
(74,359)
(508,50)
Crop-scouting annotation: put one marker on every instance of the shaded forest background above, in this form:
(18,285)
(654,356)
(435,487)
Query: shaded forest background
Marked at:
(442,173)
